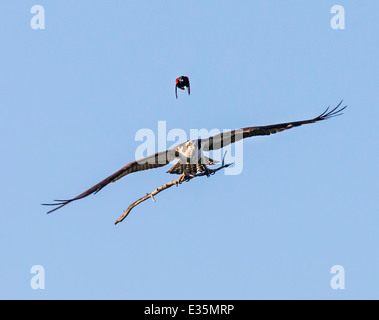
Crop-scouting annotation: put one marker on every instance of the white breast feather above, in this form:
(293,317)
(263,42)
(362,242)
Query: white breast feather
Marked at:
(189,150)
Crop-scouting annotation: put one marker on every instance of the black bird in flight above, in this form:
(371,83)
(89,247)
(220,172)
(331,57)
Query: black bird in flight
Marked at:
(181,83)
(190,153)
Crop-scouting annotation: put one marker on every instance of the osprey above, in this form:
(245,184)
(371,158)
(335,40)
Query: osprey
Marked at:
(181,83)
(190,156)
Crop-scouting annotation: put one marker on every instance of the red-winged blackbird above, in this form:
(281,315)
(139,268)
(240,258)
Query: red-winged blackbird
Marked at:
(181,83)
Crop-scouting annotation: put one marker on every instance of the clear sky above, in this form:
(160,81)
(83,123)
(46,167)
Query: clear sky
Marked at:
(74,95)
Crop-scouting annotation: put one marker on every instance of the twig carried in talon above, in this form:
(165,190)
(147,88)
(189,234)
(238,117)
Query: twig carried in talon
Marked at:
(176,182)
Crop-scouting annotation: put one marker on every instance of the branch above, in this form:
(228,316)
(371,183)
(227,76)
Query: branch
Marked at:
(180,180)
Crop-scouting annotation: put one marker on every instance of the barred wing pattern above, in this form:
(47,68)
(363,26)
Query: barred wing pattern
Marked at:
(156,160)
(223,139)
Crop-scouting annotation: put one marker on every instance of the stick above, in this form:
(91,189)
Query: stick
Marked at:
(180,180)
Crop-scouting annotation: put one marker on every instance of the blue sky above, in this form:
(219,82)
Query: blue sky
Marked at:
(74,95)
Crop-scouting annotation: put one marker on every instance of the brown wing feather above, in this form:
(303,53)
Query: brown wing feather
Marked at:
(156,160)
(223,139)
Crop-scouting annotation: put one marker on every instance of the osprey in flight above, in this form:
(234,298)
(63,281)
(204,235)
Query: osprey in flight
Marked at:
(181,83)
(189,154)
